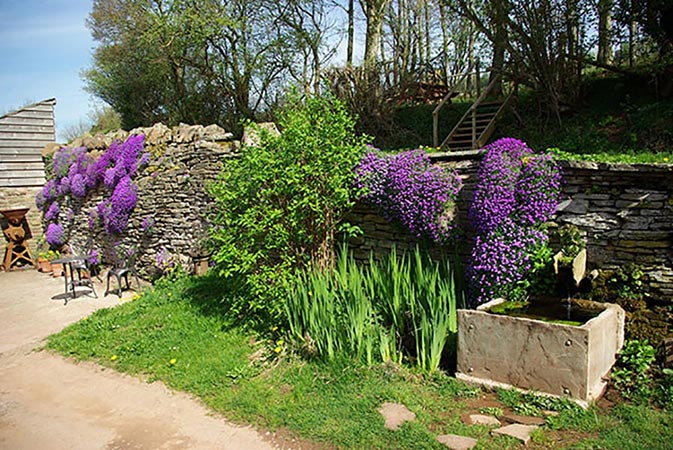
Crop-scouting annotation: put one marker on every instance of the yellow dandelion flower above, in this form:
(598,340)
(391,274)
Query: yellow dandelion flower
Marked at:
(173,361)
(665,159)
(277,349)
(113,358)
(274,328)
(310,293)
(280,342)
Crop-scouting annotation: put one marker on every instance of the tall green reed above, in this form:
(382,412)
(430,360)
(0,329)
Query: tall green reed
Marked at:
(386,305)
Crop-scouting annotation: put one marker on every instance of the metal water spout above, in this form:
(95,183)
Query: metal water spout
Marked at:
(573,279)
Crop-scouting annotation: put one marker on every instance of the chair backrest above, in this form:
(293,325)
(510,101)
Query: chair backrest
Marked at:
(128,261)
(76,250)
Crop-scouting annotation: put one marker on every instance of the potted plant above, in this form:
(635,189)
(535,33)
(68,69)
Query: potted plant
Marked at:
(43,262)
(56,268)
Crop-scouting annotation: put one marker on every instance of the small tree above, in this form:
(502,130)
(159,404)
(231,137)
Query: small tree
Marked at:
(281,203)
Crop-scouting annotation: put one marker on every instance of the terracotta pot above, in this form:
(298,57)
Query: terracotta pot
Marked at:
(44,265)
(57,269)
(201,265)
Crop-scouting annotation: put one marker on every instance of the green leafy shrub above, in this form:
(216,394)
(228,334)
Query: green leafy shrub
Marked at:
(403,306)
(281,202)
(633,375)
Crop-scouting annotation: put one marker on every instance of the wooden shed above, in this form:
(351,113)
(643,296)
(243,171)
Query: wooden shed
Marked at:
(23,135)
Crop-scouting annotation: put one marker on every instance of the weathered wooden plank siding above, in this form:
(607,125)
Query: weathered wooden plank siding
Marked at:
(23,135)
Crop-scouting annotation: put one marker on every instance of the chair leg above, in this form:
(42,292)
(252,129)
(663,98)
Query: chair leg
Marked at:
(119,285)
(107,289)
(90,282)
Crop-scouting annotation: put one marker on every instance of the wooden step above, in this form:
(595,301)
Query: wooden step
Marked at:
(460,143)
(485,114)
(468,130)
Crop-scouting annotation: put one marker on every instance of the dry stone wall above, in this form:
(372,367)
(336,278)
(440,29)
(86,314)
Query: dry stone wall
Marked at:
(624,211)
(172,191)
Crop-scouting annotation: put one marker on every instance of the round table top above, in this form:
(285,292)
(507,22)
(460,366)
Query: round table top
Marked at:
(70,259)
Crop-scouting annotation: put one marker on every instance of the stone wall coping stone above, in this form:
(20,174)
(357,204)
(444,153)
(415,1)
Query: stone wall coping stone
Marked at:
(566,163)
(457,156)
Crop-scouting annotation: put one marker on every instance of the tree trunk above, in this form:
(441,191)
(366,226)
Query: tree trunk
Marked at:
(445,43)
(374,12)
(471,80)
(632,41)
(351,32)
(605,31)
(426,19)
(501,36)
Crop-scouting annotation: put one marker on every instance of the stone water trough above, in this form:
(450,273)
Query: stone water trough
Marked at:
(533,355)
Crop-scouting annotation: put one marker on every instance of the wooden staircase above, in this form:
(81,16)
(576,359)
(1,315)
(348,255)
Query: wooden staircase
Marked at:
(477,125)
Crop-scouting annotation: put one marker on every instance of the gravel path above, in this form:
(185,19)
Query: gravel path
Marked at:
(49,403)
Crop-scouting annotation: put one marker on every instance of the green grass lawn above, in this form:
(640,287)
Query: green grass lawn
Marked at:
(179,333)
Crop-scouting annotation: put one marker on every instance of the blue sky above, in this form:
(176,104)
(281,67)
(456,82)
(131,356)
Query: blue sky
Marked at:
(44,46)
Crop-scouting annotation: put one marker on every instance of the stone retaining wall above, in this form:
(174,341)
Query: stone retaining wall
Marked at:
(625,212)
(172,190)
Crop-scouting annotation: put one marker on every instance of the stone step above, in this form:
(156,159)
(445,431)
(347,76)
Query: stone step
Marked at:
(456,442)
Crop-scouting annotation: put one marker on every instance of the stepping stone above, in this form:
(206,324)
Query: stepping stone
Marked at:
(455,442)
(517,431)
(395,414)
(480,419)
(524,420)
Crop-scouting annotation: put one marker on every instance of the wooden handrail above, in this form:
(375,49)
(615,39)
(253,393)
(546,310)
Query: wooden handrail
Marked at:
(473,110)
(435,112)
(489,129)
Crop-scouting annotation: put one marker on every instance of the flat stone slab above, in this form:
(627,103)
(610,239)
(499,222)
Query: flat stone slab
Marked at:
(456,442)
(395,414)
(524,420)
(517,431)
(481,419)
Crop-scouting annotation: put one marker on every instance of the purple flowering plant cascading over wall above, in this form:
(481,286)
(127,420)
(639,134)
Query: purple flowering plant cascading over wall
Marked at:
(516,192)
(409,189)
(77,173)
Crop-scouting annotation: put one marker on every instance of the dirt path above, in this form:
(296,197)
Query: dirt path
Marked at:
(49,403)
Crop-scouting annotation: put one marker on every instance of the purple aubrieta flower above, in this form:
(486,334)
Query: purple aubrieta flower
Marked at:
(515,194)
(94,257)
(147,224)
(78,173)
(40,200)
(115,212)
(144,160)
(52,212)
(409,189)
(49,193)
(78,185)
(92,220)
(55,235)
(110,177)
